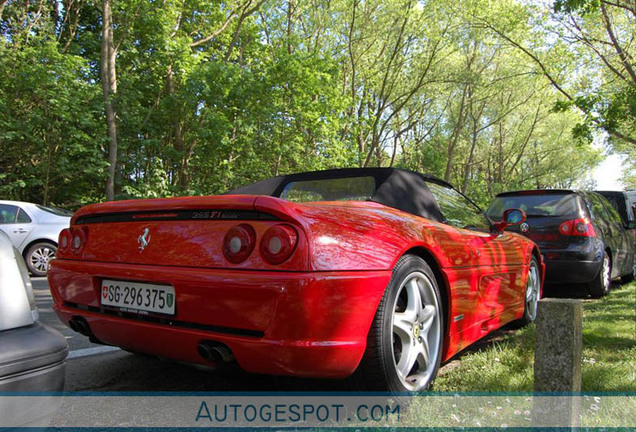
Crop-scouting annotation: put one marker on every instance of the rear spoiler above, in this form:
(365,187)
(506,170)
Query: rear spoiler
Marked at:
(537,192)
(243,207)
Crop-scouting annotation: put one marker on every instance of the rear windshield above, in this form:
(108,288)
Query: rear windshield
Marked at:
(336,189)
(563,205)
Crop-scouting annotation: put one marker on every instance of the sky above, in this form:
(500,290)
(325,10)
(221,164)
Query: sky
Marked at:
(607,175)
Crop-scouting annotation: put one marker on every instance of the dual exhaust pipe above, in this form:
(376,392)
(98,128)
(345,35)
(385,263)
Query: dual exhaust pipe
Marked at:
(215,352)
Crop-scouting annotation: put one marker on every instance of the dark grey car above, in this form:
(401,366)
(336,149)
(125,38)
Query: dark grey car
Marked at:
(581,236)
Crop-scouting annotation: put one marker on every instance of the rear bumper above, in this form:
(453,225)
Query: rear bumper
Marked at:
(290,323)
(571,271)
(580,262)
(32,359)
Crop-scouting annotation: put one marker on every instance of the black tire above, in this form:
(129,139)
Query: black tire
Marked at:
(389,335)
(600,285)
(37,257)
(532,294)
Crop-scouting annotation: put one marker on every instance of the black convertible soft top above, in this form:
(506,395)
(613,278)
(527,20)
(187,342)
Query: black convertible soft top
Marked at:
(398,188)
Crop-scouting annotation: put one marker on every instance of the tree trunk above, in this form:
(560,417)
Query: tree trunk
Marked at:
(455,136)
(109,88)
(2,4)
(471,157)
(47,181)
(290,18)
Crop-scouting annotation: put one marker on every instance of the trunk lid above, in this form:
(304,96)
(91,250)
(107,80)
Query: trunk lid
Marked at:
(183,232)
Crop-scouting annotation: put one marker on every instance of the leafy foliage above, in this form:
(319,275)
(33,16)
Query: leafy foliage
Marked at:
(215,94)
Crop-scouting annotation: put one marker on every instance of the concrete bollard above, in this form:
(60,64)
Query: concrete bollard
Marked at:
(557,359)
(557,362)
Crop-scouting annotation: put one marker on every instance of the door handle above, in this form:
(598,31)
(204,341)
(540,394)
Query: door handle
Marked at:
(20,231)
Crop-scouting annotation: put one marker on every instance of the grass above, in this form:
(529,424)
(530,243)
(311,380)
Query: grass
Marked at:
(503,362)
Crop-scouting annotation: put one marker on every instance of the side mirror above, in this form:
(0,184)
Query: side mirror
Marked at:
(510,217)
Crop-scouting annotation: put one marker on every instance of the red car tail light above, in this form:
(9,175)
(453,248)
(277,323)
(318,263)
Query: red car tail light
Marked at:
(78,239)
(239,243)
(577,227)
(64,242)
(278,243)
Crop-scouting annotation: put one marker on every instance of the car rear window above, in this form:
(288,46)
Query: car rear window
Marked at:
(552,204)
(335,189)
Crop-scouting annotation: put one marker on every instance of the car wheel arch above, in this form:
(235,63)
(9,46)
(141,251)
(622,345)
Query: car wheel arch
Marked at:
(611,259)
(537,255)
(369,361)
(442,283)
(38,265)
(31,243)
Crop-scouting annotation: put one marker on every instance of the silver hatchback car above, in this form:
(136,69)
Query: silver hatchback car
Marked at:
(34,230)
(32,355)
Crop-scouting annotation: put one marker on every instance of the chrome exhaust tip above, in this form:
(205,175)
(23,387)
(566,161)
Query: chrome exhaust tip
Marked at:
(216,352)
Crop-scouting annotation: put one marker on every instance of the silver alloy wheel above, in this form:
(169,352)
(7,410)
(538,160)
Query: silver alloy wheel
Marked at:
(416,338)
(606,269)
(533,288)
(40,258)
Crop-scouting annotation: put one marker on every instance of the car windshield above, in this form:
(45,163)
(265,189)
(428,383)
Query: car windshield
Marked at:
(334,189)
(541,204)
(56,211)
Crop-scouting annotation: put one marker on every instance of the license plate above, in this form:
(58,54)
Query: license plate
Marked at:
(139,297)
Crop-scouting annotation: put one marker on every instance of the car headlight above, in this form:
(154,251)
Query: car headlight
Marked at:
(26,282)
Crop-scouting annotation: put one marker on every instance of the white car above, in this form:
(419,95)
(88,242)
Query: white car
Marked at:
(33,230)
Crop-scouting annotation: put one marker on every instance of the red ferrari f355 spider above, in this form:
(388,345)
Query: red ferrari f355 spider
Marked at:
(378,271)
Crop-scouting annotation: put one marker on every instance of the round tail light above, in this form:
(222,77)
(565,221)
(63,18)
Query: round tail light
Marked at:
(566,227)
(64,242)
(239,243)
(78,239)
(278,243)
